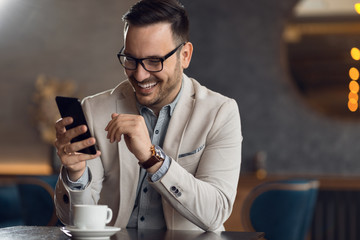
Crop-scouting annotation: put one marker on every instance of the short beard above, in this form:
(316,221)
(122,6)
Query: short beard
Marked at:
(177,77)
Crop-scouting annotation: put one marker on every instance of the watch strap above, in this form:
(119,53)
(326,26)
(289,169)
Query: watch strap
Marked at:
(155,158)
(150,162)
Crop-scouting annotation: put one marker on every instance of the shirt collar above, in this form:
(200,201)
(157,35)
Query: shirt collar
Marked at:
(171,105)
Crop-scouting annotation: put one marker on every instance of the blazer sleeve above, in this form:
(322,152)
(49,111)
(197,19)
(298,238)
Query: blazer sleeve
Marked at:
(65,197)
(206,198)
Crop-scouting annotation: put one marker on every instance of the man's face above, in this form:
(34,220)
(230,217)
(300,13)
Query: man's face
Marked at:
(154,89)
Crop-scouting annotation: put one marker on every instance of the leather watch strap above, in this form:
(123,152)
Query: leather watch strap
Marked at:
(155,157)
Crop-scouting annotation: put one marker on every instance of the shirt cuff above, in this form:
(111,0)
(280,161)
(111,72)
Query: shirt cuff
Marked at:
(161,171)
(81,183)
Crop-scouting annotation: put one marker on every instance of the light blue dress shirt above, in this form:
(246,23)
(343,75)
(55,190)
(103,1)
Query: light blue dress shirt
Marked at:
(148,211)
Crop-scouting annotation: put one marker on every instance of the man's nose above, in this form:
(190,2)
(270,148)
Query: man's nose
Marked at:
(140,73)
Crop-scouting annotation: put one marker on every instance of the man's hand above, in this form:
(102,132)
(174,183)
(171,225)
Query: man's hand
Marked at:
(135,132)
(74,162)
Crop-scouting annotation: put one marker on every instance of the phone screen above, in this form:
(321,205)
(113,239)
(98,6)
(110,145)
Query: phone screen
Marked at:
(71,107)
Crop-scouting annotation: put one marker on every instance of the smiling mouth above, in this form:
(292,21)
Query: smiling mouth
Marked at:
(147,85)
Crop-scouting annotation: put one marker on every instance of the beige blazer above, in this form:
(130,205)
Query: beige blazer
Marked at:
(204,141)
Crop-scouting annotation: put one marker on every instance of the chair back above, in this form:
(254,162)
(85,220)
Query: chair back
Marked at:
(37,200)
(28,200)
(10,211)
(282,209)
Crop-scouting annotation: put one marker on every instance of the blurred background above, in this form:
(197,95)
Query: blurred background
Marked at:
(291,66)
(285,62)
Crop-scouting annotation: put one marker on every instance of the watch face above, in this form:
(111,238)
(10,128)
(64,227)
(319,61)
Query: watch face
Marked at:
(159,152)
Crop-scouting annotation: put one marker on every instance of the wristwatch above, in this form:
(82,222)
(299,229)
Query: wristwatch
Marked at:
(157,155)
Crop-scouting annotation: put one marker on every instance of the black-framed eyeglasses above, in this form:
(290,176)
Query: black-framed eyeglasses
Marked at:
(150,64)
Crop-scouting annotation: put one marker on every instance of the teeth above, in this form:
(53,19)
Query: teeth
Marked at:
(146,85)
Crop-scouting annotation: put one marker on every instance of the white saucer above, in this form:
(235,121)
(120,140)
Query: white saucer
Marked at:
(89,234)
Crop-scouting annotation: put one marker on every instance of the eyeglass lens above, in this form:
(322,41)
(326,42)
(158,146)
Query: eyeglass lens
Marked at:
(150,64)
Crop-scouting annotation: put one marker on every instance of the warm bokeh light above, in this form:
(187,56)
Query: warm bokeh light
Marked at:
(261,174)
(352,105)
(354,73)
(354,87)
(357,7)
(354,96)
(355,53)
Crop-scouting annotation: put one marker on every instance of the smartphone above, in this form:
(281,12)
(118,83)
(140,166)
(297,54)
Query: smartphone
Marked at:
(71,107)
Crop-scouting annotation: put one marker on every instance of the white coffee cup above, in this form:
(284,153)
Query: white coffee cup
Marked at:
(91,216)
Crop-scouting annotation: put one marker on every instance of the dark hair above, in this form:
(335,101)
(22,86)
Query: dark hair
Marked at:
(146,12)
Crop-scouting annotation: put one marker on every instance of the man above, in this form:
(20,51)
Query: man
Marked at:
(170,148)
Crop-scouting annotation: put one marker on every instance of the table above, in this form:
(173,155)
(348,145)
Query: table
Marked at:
(54,233)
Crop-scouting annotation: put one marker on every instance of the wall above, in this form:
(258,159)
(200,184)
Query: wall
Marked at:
(238,52)
(244,57)
(66,40)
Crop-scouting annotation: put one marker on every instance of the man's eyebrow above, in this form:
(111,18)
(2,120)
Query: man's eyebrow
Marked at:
(152,56)
(155,56)
(127,54)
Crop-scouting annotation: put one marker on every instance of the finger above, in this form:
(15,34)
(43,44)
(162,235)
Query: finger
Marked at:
(108,126)
(85,157)
(116,129)
(60,127)
(80,157)
(62,142)
(114,115)
(123,124)
(62,123)
(66,137)
(112,126)
(73,161)
(116,118)
(119,120)
(116,135)
(77,146)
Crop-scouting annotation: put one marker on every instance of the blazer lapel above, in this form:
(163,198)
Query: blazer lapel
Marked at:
(129,168)
(179,120)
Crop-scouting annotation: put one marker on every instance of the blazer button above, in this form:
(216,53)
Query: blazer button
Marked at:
(178,194)
(66,199)
(173,189)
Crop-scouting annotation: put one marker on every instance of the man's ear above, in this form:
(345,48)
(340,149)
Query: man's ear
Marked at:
(185,55)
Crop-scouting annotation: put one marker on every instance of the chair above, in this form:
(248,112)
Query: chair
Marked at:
(28,200)
(37,200)
(10,211)
(281,209)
